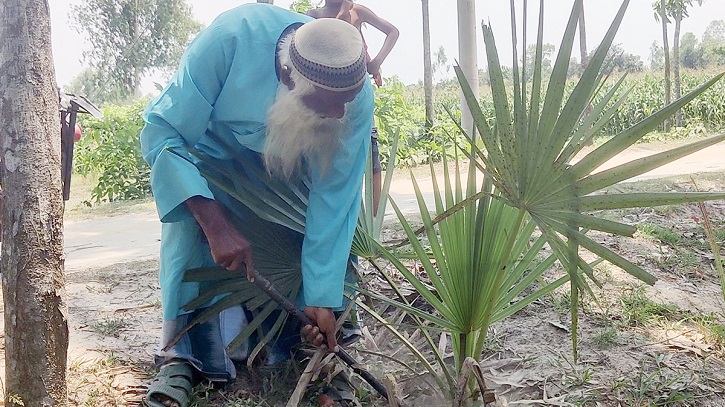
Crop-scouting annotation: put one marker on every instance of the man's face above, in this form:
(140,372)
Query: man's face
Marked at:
(329,104)
(304,123)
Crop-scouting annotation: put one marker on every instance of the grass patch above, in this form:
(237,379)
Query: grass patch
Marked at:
(638,310)
(607,338)
(664,235)
(109,326)
(657,384)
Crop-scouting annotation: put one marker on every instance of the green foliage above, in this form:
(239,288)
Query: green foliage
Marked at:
(98,86)
(665,235)
(638,310)
(713,44)
(130,37)
(622,61)
(303,6)
(480,258)
(400,112)
(607,338)
(665,386)
(110,149)
(646,96)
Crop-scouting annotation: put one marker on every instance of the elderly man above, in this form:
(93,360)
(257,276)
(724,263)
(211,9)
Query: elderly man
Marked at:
(272,84)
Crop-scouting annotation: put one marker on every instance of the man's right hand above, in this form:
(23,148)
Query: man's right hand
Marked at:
(229,248)
(324,331)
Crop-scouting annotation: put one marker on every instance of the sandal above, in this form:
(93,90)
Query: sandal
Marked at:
(175,382)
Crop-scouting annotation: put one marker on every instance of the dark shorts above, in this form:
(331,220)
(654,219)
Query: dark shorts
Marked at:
(377,167)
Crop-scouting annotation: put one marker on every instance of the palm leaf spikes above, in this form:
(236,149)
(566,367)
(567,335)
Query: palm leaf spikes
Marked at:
(530,151)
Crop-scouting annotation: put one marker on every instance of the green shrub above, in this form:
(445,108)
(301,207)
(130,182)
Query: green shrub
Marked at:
(110,150)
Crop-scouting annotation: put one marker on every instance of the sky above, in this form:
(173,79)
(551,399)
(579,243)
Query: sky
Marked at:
(639,29)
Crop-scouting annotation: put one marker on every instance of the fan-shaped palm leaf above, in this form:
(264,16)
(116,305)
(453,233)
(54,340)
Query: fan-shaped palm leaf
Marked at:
(530,153)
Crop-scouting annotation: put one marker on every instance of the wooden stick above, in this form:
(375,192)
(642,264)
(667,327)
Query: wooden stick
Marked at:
(305,378)
(266,286)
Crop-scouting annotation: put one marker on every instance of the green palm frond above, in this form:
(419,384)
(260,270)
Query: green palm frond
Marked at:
(530,153)
(277,253)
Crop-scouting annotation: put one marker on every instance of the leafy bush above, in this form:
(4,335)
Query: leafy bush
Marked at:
(397,110)
(110,150)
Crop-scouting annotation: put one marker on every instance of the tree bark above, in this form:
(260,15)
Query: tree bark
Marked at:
(36,328)
(427,69)
(676,64)
(468,56)
(666,47)
(584,55)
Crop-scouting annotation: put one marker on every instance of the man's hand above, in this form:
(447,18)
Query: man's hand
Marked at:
(374,67)
(229,248)
(344,13)
(325,320)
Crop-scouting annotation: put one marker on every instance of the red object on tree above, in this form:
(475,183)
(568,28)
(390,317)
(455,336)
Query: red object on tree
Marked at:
(78,132)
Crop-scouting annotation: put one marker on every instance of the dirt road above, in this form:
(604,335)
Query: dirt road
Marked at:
(106,241)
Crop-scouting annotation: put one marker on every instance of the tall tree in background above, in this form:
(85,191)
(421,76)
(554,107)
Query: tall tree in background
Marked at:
(713,44)
(661,15)
(129,38)
(583,41)
(36,328)
(678,10)
(656,56)
(690,52)
(467,56)
(427,68)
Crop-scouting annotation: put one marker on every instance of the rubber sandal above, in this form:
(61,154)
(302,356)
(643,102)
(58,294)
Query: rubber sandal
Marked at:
(174,381)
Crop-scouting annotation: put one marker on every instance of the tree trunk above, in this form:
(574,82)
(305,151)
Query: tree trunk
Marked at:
(676,64)
(36,328)
(467,54)
(583,41)
(666,47)
(427,69)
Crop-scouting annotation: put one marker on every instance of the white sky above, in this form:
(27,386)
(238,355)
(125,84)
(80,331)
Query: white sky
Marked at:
(638,30)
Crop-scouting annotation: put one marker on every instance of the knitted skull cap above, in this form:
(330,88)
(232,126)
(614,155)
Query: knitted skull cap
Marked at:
(329,53)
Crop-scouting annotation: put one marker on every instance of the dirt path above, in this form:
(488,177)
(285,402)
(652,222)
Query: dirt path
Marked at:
(707,160)
(106,241)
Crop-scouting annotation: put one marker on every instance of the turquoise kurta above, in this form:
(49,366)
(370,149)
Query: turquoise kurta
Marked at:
(225,84)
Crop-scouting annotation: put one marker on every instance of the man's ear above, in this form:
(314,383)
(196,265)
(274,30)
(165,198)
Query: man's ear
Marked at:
(286,78)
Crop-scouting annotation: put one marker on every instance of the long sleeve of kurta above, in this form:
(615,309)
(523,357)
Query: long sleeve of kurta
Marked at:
(225,83)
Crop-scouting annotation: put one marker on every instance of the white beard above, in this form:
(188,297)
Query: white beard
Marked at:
(296,134)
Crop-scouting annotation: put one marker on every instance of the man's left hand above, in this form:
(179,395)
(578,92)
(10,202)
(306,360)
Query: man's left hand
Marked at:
(324,318)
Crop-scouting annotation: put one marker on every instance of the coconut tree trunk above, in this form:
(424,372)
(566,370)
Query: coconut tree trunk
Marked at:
(427,69)
(666,47)
(36,328)
(584,55)
(467,56)
(676,64)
